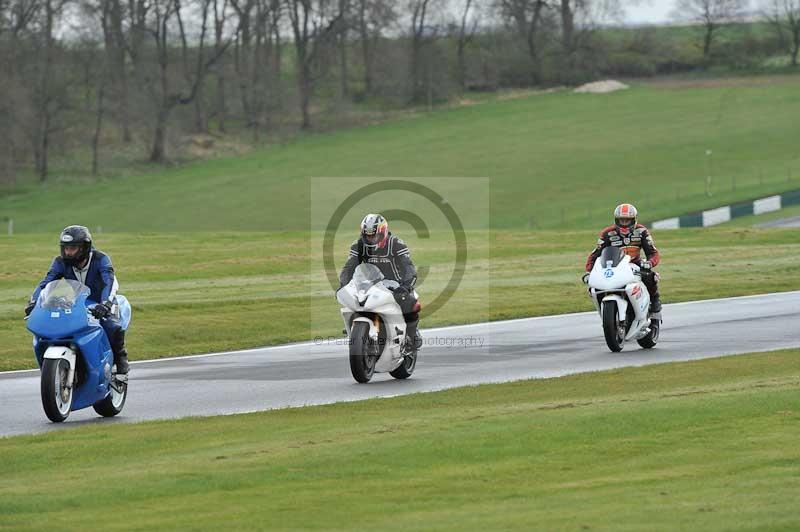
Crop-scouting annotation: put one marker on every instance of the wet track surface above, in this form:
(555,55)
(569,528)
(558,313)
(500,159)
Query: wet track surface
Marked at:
(318,372)
(793,221)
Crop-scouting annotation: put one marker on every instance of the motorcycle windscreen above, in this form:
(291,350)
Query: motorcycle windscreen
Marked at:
(610,257)
(60,310)
(366,276)
(61,294)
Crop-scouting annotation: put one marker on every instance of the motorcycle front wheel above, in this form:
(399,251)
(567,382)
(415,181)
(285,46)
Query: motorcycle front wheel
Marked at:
(56,391)
(613,330)
(362,348)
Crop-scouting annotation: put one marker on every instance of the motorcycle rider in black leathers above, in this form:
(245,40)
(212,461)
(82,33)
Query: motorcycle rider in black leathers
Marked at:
(390,254)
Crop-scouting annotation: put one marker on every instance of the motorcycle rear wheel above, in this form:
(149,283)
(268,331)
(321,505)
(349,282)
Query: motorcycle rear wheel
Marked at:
(650,340)
(114,401)
(406,368)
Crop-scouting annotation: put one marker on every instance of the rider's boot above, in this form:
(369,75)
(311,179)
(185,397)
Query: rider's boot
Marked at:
(651,282)
(655,305)
(410,346)
(120,353)
(121,361)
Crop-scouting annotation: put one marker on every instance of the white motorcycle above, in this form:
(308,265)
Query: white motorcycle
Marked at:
(375,326)
(622,299)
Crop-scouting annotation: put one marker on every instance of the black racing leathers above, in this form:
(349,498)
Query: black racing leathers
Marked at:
(393,259)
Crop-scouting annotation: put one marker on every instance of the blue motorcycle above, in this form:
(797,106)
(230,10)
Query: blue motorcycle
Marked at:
(74,354)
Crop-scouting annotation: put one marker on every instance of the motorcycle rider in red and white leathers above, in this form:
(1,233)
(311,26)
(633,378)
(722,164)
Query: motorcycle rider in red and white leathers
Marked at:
(633,238)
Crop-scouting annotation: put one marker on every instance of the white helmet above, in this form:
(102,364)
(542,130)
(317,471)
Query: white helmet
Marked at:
(374,230)
(625,217)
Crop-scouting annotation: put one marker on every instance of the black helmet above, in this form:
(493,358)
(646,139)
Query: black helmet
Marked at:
(75,235)
(374,229)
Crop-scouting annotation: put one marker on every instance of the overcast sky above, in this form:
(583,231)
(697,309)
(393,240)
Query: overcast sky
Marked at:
(649,11)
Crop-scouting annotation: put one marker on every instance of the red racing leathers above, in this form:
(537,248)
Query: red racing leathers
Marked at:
(633,243)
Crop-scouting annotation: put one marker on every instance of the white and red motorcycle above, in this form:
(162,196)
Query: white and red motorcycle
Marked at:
(622,299)
(375,326)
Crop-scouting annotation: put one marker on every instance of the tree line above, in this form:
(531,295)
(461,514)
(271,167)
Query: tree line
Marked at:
(84,74)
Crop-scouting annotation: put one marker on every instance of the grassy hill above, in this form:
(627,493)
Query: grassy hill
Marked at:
(555,160)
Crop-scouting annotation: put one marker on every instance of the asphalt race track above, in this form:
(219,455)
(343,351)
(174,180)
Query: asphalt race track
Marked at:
(318,372)
(794,221)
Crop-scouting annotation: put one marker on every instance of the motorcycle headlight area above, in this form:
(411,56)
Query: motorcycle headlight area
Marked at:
(363,286)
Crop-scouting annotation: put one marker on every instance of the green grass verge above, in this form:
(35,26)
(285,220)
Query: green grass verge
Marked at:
(705,445)
(555,160)
(201,292)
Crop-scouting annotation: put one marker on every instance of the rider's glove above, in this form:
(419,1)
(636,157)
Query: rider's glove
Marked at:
(101,310)
(585,278)
(29,308)
(401,292)
(646,265)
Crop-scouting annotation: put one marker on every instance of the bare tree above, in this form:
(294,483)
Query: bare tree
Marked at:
(243,55)
(466,30)
(784,15)
(95,64)
(49,93)
(115,43)
(18,15)
(527,17)
(162,11)
(137,28)
(344,75)
(313,27)
(567,10)
(265,73)
(19,27)
(711,15)
(194,75)
(421,32)
(220,20)
(110,15)
(374,16)
(161,17)
(579,20)
(256,38)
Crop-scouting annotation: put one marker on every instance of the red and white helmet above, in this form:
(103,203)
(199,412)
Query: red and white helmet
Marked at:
(625,217)
(374,230)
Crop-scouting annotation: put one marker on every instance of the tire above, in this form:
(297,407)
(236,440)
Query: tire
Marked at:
(362,357)
(611,329)
(406,368)
(56,398)
(651,339)
(114,401)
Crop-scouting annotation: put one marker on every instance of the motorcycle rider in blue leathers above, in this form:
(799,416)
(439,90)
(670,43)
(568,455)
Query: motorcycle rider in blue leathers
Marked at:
(80,261)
